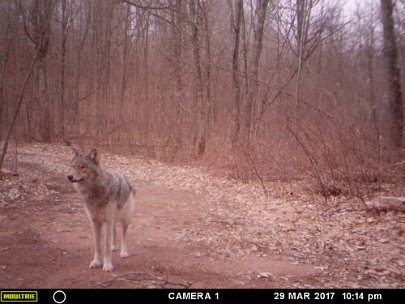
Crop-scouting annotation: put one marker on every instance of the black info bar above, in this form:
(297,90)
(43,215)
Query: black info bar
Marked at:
(68,296)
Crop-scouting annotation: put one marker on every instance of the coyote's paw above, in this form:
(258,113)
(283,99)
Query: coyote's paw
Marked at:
(95,264)
(124,254)
(107,267)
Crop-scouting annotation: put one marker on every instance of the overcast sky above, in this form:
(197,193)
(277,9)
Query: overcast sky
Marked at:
(350,6)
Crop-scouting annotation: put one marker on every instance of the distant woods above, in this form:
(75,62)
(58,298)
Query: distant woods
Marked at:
(259,84)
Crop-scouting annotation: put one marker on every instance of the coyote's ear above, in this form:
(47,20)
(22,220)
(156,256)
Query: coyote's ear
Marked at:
(74,153)
(94,156)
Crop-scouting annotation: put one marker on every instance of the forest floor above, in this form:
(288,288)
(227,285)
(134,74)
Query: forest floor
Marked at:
(193,228)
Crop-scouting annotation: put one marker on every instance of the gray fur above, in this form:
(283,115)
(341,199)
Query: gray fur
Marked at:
(109,199)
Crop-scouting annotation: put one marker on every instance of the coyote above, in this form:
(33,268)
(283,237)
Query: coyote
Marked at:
(109,199)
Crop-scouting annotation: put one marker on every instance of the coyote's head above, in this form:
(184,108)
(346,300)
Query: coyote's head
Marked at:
(84,167)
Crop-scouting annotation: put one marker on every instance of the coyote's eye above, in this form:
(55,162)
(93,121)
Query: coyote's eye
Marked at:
(81,166)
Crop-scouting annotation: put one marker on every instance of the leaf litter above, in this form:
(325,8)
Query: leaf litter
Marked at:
(348,245)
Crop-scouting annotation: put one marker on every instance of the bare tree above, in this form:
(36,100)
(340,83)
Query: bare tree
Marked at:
(41,36)
(236,19)
(393,73)
(81,27)
(251,104)
(38,29)
(62,67)
(178,78)
(195,22)
(9,27)
(200,41)
(206,108)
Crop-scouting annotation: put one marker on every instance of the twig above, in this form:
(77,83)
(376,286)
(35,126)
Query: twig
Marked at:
(249,157)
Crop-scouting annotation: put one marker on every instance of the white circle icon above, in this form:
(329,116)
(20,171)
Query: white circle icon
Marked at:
(61,299)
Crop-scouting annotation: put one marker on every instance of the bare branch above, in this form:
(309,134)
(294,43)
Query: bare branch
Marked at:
(147,7)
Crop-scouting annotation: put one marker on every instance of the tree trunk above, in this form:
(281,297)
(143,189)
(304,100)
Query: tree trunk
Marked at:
(41,10)
(177,31)
(18,106)
(124,80)
(73,120)
(236,26)
(393,73)
(302,30)
(251,105)
(3,66)
(200,141)
(61,107)
(46,124)
(206,115)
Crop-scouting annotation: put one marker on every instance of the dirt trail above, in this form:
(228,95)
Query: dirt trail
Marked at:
(191,229)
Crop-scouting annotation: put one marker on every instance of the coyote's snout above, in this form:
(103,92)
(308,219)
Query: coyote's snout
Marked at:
(109,200)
